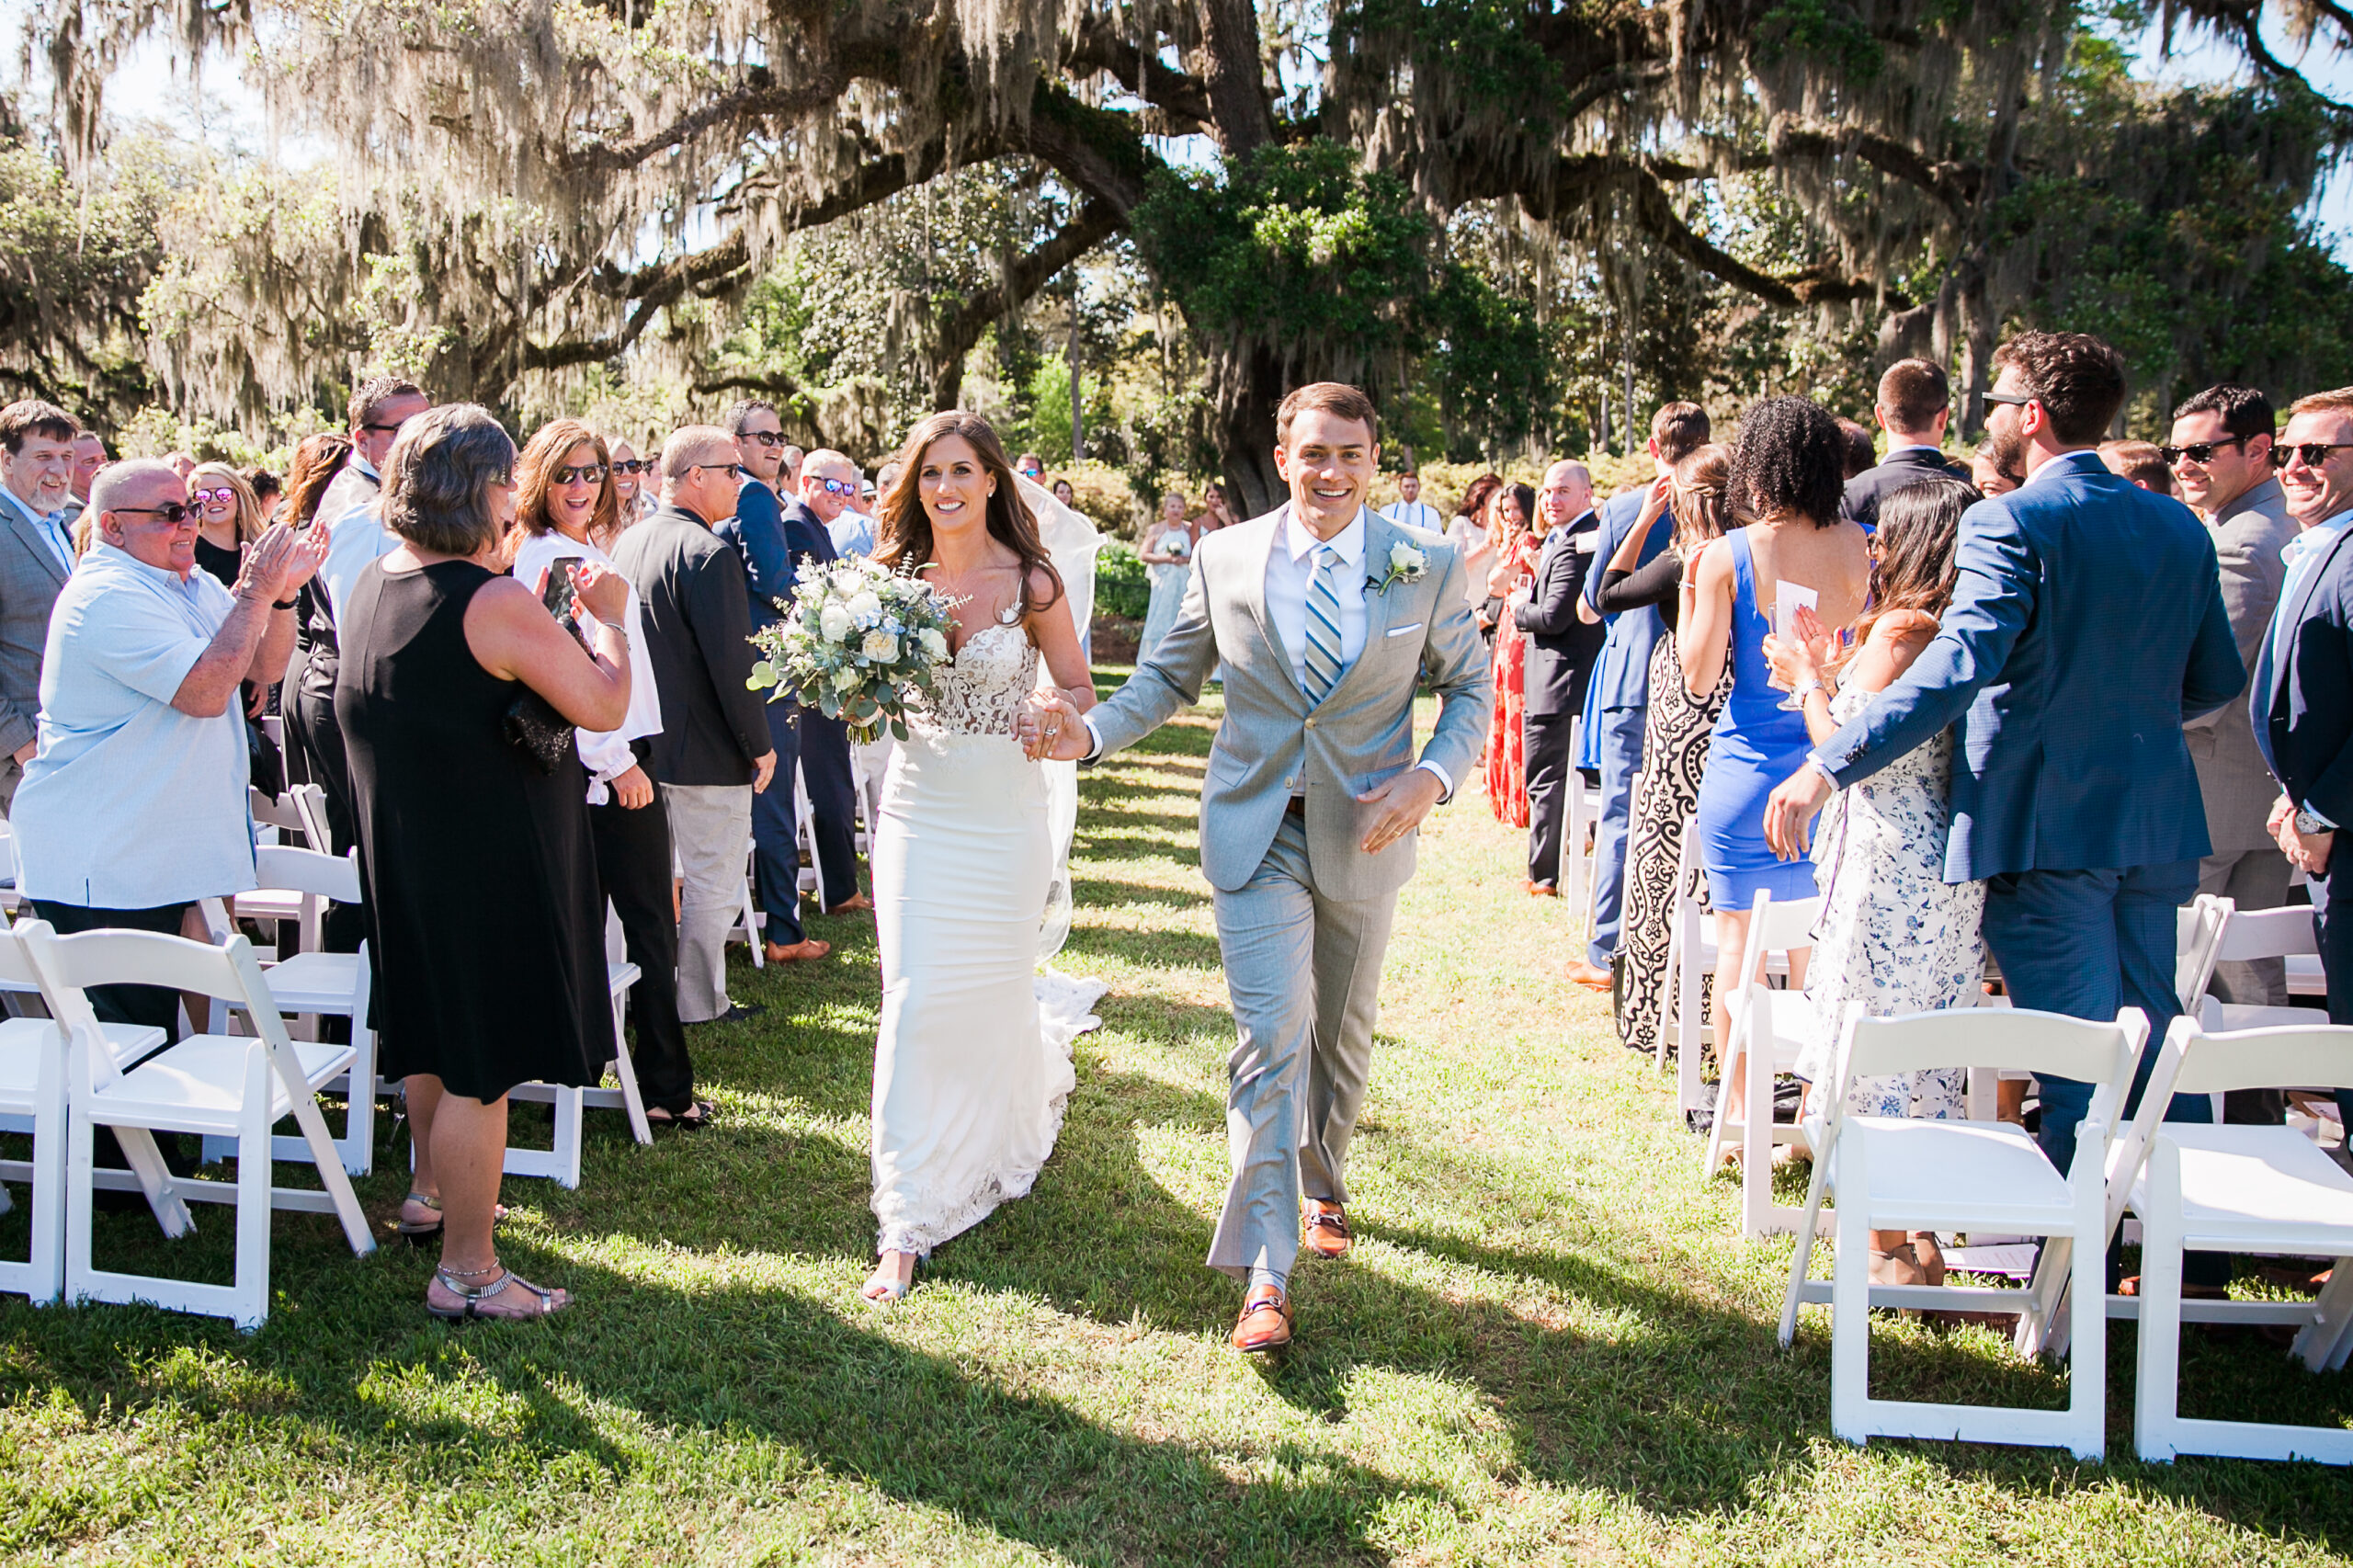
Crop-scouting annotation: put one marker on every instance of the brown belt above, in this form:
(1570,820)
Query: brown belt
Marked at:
(1298,807)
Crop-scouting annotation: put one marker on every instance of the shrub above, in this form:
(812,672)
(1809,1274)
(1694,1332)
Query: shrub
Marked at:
(1122,585)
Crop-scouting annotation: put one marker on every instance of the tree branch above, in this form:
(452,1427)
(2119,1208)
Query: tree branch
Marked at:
(1094,224)
(1953,185)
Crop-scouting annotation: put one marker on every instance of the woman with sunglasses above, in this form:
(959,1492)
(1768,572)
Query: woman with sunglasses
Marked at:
(228,519)
(565,500)
(633,495)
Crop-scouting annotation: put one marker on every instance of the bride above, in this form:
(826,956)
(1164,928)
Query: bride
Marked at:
(969,1082)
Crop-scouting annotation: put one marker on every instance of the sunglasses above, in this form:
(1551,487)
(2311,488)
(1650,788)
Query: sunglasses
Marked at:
(732,471)
(634,465)
(838,486)
(2016,400)
(387,429)
(765,438)
(586,473)
(170,511)
(2198,451)
(2315,454)
(206,498)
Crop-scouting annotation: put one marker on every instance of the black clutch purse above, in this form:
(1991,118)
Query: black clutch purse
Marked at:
(538,731)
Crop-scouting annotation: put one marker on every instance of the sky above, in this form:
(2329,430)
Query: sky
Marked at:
(155,74)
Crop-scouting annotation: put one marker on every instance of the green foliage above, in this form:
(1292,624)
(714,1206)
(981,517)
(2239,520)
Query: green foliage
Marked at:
(1122,586)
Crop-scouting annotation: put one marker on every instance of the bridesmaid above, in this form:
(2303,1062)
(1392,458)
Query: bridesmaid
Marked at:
(1513,569)
(1467,534)
(1167,553)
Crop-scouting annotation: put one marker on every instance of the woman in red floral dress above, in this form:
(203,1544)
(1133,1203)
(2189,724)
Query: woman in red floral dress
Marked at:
(1508,516)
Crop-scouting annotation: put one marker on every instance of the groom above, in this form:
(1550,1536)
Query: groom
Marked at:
(1324,614)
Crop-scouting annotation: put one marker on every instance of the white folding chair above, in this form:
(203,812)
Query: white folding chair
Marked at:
(560,1160)
(33,1070)
(1766,1029)
(209,1083)
(1691,958)
(749,921)
(2241,1189)
(9,897)
(314,982)
(2246,934)
(1891,1174)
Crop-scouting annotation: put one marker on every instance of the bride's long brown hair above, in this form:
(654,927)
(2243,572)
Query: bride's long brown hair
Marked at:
(903,539)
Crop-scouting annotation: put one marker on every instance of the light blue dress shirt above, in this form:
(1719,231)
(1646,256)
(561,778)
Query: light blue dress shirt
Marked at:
(355,539)
(51,530)
(852,533)
(131,803)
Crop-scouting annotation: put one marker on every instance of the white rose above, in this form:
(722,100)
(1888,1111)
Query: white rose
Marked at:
(1404,557)
(865,609)
(933,643)
(847,582)
(847,679)
(833,623)
(881,647)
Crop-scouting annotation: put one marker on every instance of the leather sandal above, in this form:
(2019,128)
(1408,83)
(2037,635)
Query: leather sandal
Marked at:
(418,1231)
(1327,1230)
(544,1303)
(1266,1321)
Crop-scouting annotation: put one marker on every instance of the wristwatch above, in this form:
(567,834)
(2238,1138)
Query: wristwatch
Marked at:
(2309,822)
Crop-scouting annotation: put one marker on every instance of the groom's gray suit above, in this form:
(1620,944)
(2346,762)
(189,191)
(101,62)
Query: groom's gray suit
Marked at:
(1303,911)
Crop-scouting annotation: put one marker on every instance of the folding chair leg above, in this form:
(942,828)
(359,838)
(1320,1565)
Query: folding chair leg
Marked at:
(45,1274)
(625,1070)
(1802,1262)
(2157,1394)
(1851,1308)
(332,1173)
(1756,1141)
(1730,1062)
(2322,1344)
(251,1288)
(359,1119)
(2087,1353)
(567,1137)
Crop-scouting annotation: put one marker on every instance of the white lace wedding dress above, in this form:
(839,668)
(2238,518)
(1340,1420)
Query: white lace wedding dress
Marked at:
(972,1063)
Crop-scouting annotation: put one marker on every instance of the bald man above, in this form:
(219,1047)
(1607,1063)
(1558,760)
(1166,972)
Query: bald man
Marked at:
(1561,649)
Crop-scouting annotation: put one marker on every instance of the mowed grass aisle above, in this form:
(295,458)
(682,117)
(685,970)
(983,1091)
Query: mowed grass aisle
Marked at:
(1546,1347)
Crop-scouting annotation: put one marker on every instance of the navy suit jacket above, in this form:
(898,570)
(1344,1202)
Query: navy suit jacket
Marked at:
(1624,671)
(1561,648)
(2086,623)
(772,539)
(2303,717)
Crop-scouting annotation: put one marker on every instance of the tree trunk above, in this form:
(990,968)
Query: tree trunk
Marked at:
(1247,388)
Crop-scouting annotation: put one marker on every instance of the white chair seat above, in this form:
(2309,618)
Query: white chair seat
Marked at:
(19,1059)
(2236,1182)
(2219,1016)
(1949,1175)
(2305,977)
(314,983)
(199,1085)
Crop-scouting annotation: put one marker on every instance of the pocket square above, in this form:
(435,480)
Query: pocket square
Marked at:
(1401,630)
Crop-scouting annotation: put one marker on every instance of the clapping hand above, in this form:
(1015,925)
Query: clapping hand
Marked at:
(603,591)
(1051,729)
(278,562)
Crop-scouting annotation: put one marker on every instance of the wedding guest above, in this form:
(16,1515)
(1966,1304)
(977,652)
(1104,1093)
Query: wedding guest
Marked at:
(772,552)
(1618,697)
(1675,734)
(1167,555)
(134,805)
(1031,466)
(35,557)
(2087,622)
(2303,704)
(1895,936)
(1914,403)
(315,463)
(1410,509)
(715,752)
(228,516)
(1860,453)
(476,854)
(89,456)
(1510,571)
(181,463)
(633,497)
(853,532)
(1064,492)
(2221,452)
(267,488)
(793,457)
(565,498)
(1215,512)
(1472,546)
(1991,475)
(1559,660)
(2139,461)
(1787,480)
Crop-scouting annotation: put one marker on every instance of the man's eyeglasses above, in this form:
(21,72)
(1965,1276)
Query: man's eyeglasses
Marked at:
(206,498)
(2200,451)
(732,471)
(171,512)
(839,487)
(2016,400)
(2315,454)
(765,438)
(634,465)
(585,473)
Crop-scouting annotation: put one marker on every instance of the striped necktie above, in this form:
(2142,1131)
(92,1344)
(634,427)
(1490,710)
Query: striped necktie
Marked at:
(1323,627)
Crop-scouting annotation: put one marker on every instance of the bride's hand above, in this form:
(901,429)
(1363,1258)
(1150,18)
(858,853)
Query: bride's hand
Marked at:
(1050,729)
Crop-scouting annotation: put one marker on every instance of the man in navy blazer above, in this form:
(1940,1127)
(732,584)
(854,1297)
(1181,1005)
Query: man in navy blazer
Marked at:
(2302,701)
(2087,622)
(1617,700)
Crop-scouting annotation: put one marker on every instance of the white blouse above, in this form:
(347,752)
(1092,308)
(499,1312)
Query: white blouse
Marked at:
(606,753)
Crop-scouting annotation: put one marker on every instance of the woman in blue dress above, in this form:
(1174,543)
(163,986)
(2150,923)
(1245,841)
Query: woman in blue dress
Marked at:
(1787,473)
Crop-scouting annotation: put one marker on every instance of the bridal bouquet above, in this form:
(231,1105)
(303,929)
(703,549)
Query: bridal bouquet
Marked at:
(860,642)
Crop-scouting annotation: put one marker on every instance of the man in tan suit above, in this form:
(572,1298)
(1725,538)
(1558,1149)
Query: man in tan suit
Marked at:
(2220,455)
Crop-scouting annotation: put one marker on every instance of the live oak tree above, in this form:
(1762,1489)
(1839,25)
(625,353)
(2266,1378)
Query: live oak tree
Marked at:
(523,189)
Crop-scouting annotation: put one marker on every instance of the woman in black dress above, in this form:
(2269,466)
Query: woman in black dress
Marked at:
(481,881)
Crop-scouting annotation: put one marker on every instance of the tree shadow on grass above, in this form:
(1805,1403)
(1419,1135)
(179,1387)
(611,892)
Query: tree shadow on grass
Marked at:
(1098,894)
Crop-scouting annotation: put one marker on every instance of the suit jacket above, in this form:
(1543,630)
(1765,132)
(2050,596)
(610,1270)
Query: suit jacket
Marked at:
(2231,775)
(698,628)
(2303,709)
(1624,671)
(770,556)
(31,579)
(1861,503)
(1561,648)
(1360,735)
(2087,621)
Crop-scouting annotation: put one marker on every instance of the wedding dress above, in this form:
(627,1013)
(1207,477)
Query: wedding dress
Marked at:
(972,1063)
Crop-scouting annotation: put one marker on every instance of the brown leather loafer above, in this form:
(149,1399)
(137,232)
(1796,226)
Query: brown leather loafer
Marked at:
(799,953)
(1265,1321)
(1593,977)
(852,904)
(1543,890)
(1327,1230)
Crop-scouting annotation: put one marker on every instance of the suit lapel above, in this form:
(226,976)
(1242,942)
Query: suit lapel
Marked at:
(23,529)
(2284,668)
(1252,589)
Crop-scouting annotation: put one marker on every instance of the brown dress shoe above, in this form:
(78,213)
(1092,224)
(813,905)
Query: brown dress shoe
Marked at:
(1543,890)
(1328,1229)
(799,953)
(852,904)
(1593,977)
(1265,1321)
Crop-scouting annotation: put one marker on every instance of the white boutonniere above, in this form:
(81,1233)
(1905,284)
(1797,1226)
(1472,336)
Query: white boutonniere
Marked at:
(1406,564)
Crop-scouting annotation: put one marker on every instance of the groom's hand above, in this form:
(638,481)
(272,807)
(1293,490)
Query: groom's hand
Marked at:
(1405,801)
(1790,808)
(1050,729)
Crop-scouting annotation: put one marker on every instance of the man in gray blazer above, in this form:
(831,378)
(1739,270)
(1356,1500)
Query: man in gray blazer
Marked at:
(1326,616)
(2221,454)
(35,557)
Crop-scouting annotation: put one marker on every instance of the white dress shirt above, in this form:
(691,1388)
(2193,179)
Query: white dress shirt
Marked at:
(606,753)
(355,539)
(1414,514)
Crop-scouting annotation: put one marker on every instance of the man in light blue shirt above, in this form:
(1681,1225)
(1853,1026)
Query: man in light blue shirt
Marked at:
(134,804)
(35,557)
(1410,509)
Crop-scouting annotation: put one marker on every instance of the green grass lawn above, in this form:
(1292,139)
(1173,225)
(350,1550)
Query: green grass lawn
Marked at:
(1547,1346)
